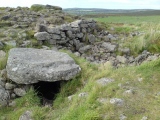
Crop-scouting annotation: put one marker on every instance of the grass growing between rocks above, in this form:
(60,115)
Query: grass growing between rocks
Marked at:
(147,27)
(149,40)
(3,62)
(130,19)
(143,100)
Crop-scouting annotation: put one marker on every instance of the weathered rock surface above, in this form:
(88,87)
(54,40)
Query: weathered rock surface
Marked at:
(1,45)
(4,96)
(2,54)
(9,86)
(109,47)
(104,81)
(27,66)
(26,116)
(117,101)
(42,36)
(19,92)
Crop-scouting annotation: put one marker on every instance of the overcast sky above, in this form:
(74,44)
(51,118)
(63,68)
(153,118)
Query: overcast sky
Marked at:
(108,4)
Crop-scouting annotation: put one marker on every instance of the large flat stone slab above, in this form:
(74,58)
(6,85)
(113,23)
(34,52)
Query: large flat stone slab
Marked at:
(28,65)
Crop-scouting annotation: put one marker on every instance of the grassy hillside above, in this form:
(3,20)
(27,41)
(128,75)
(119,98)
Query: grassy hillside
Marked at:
(129,19)
(143,100)
(83,98)
(90,12)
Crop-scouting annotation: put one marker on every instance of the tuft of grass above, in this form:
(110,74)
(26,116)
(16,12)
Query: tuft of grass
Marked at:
(3,63)
(28,100)
(123,30)
(37,8)
(68,19)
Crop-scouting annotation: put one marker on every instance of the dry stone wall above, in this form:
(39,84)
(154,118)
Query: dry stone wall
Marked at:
(73,36)
(85,39)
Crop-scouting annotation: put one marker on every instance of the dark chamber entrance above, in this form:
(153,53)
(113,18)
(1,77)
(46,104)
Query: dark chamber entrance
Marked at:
(47,91)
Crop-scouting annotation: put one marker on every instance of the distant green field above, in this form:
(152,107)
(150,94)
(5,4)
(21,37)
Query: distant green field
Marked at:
(130,19)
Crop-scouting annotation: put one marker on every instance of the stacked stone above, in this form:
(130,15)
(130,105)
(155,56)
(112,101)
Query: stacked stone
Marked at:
(10,90)
(23,17)
(84,39)
(73,35)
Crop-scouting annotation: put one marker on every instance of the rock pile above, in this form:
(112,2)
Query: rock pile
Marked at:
(19,23)
(26,66)
(21,17)
(73,36)
(85,39)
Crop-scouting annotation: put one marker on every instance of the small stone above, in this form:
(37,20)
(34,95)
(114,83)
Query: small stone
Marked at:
(2,83)
(158,94)
(108,46)
(4,73)
(102,100)
(91,38)
(55,37)
(12,104)
(2,54)
(54,49)
(4,97)
(121,59)
(11,43)
(45,48)
(122,117)
(79,35)
(13,96)
(104,81)
(9,86)
(120,85)
(54,30)
(69,34)
(70,97)
(112,28)
(19,92)
(3,80)
(83,94)
(77,54)
(42,36)
(117,101)
(144,118)
(26,43)
(85,48)
(128,92)
(26,116)
(140,79)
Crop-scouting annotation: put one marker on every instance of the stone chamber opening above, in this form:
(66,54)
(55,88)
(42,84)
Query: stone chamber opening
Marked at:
(47,91)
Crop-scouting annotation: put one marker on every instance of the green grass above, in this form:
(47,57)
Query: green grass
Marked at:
(3,62)
(37,8)
(129,19)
